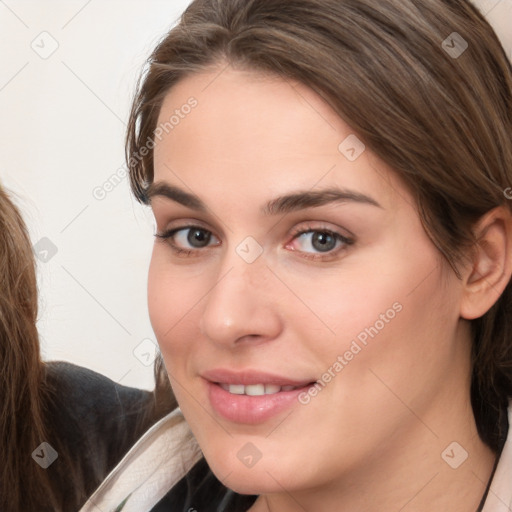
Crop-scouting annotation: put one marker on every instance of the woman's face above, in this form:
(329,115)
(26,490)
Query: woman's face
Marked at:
(293,255)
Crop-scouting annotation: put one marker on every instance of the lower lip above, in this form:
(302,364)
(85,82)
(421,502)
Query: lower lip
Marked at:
(251,409)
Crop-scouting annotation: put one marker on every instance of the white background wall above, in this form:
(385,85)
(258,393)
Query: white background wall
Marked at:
(62,122)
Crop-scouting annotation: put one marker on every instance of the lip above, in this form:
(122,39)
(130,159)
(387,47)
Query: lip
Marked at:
(251,409)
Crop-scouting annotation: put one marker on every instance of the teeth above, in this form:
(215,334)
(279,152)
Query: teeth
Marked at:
(270,389)
(236,389)
(255,389)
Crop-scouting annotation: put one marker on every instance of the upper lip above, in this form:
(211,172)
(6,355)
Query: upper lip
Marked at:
(248,377)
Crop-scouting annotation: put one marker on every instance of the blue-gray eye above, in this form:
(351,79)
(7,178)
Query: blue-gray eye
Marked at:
(323,241)
(318,241)
(198,237)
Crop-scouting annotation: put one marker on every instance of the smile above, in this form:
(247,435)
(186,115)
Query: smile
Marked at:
(251,397)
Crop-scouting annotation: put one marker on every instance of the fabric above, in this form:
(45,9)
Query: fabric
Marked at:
(165,472)
(155,464)
(200,490)
(97,421)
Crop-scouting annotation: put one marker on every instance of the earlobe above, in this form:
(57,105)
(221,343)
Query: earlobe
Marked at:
(491,265)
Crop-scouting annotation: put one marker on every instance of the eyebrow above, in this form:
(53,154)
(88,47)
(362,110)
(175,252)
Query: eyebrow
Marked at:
(175,194)
(314,198)
(295,201)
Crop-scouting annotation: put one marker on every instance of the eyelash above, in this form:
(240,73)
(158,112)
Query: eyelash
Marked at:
(167,237)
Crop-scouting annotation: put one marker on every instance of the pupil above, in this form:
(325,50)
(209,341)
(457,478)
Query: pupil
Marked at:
(323,242)
(198,237)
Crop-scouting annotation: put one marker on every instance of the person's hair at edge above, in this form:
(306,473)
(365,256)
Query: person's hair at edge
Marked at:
(442,124)
(26,413)
(22,369)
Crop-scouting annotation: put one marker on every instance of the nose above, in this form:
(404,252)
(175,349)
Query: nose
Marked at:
(241,307)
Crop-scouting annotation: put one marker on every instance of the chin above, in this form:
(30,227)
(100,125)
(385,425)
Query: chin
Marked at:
(249,481)
(263,475)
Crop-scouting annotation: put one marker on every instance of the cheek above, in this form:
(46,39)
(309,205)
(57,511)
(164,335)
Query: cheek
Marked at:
(160,302)
(397,339)
(172,299)
(393,307)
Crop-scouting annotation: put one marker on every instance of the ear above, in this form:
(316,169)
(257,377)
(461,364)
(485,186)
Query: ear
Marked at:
(491,265)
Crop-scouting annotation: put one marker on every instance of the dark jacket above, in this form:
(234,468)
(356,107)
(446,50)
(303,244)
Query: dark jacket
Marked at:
(200,490)
(91,422)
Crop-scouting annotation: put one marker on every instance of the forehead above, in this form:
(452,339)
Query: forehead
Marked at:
(249,128)
(237,102)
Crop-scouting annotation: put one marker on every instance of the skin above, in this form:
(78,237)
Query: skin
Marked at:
(372,439)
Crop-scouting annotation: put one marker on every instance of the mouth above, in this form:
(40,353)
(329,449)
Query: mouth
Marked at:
(252,397)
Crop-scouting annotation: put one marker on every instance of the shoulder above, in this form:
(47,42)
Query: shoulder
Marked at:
(82,390)
(87,407)
(92,422)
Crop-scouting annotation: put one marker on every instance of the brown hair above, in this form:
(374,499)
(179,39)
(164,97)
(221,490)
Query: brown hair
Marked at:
(23,483)
(442,123)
